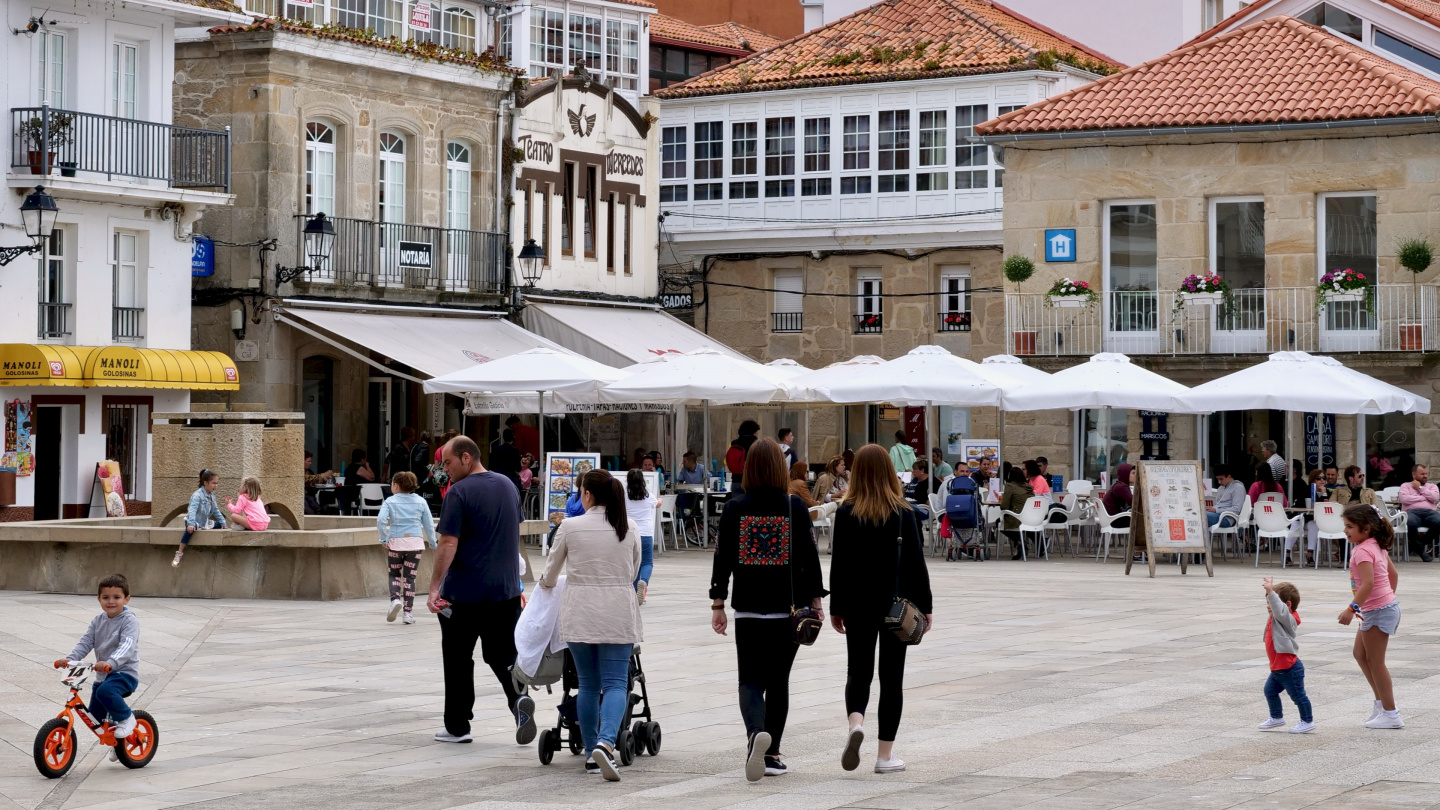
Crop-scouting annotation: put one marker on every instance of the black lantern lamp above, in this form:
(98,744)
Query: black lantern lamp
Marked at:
(38,212)
(319,236)
(532,262)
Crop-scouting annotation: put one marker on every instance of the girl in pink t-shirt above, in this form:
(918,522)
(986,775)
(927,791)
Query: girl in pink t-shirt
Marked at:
(1372,582)
(249,511)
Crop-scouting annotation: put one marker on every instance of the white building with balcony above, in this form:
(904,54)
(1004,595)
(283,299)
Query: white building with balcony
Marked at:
(95,321)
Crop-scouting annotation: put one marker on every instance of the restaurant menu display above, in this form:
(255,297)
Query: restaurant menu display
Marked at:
(562,474)
(976,450)
(1168,514)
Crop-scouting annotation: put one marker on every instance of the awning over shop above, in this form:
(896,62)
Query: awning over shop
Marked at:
(116,367)
(618,336)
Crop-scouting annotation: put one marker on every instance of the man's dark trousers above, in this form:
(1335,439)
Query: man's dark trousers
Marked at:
(493,625)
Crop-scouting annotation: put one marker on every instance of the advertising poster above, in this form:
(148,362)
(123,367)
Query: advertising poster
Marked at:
(977,450)
(562,474)
(1168,514)
(19,451)
(113,486)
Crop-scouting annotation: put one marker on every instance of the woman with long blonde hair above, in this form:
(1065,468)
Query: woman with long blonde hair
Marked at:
(878,555)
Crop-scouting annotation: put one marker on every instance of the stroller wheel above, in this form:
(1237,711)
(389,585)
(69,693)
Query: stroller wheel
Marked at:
(641,733)
(652,738)
(547,752)
(575,741)
(626,746)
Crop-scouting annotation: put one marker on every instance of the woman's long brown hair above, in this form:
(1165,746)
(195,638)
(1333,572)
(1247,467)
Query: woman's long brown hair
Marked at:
(875,492)
(608,494)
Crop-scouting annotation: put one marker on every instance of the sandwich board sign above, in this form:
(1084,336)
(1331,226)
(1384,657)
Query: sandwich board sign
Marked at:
(1167,514)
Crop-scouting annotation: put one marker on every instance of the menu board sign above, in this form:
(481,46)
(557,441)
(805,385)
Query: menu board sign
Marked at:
(1168,513)
(562,477)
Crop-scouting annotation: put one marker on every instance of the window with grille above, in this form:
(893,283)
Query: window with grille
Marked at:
(457,185)
(789,301)
(709,151)
(971,160)
(123,440)
(856,142)
(954,299)
(869,304)
(547,41)
(932,151)
(672,164)
(127,284)
(585,42)
(54,309)
(779,146)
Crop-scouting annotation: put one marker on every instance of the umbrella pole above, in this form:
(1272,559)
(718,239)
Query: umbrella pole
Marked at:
(705,519)
(1000,449)
(542,427)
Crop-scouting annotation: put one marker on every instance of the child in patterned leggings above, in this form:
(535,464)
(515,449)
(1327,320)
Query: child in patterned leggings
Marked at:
(406,527)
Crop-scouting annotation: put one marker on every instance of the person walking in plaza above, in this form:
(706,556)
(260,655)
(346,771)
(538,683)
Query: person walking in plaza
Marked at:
(1419,499)
(405,528)
(248,511)
(902,455)
(1012,499)
(203,512)
(765,547)
(831,484)
(1287,674)
(1273,460)
(475,587)
(735,455)
(114,636)
(1373,581)
(640,506)
(879,555)
(599,615)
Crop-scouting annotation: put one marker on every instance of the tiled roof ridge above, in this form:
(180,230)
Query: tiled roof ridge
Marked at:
(1052,32)
(1359,57)
(998,31)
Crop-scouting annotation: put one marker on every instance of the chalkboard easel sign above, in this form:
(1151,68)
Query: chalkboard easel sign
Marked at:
(1167,514)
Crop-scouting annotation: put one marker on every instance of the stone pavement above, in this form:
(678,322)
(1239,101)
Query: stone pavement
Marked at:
(1045,685)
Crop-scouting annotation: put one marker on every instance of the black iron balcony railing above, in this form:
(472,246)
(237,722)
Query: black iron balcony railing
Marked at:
(46,140)
(953,321)
(872,324)
(389,254)
(54,320)
(128,323)
(787,321)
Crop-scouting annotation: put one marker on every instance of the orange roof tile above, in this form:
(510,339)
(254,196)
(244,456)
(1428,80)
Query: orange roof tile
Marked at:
(743,36)
(1277,71)
(676,30)
(900,39)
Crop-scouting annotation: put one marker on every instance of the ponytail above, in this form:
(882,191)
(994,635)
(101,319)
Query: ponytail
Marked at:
(607,492)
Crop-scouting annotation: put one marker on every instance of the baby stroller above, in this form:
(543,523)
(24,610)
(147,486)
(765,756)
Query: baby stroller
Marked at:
(639,733)
(962,516)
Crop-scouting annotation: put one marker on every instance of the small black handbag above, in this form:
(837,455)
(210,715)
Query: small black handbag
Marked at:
(805,622)
(904,619)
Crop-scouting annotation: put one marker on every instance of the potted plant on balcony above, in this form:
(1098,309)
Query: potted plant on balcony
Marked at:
(1338,286)
(40,150)
(1071,293)
(1414,255)
(1018,269)
(1206,290)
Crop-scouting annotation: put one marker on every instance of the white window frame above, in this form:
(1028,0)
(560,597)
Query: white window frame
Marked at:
(59,266)
(954,272)
(51,87)
(318,153)
(1138,341)
(127,277)
(872,296)
(792,281)
(1229,340)
(458,170)
(1366,339)
(125,85)
(390,202)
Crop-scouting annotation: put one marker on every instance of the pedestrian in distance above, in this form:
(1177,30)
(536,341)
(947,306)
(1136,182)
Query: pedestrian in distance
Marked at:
(766,549)
(1373,581)
(248,511)
(640,506)
(599,552)
(114,636)
(475,587)
(203,513)
(1287,674)
(879,556)
(405,528)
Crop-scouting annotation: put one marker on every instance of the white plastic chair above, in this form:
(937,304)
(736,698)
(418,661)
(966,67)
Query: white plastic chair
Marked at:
(1272,524)
(1032,521)
(669,517)
(1238,522)
(1330,526)
(1271,497)
(1400,522)
(1108,530)
(821,521)
(371,497)
(1076,514)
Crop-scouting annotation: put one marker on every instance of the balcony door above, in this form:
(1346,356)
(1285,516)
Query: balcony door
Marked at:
(1237,254)
(1131,301)
(391,206)
(457,216)
(1345,233)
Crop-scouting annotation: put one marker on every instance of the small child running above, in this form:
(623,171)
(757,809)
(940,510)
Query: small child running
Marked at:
(1287,674)
(1373,581)
(114,635)
(405,528)
(203,513)
(249,511)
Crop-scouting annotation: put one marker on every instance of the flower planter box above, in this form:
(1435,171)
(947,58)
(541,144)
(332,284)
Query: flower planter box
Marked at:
(1069,301)
(1213,299)
(1024,341)
(1334,297)
(1412,337)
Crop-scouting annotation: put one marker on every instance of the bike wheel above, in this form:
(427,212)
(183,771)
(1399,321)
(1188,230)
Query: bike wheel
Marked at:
(54,748)
(138,749)
(547,753)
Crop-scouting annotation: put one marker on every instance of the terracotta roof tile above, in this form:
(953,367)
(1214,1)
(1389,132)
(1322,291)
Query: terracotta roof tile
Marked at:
(743,36)
(666,27)
(899,39)
(1277,71)
(214,5)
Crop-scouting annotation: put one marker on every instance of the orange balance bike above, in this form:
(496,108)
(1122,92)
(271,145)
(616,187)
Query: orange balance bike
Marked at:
(55,743)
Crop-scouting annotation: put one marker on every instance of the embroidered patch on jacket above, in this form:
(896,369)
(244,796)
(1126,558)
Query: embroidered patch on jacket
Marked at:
(765,540)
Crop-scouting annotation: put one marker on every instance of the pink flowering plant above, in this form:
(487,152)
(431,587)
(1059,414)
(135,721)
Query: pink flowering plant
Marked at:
(1204,284)
(1070,288)
(1338,281)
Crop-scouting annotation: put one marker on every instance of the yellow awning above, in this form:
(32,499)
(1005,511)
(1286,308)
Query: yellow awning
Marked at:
(116,367)
(129,367)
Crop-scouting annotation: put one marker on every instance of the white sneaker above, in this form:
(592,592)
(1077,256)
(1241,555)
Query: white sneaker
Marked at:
(409,618)
(1375,711)
(1386,720)
(113,757)
(175,563)
(755,757)
(124,727)
(1303,727)
(892,765)
(444,736)
(1272,722)
(850,758)
(395,607)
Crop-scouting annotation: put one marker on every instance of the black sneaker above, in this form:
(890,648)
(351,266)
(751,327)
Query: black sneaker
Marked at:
(524,720)
(755,756)
(605,758)
(591,767)
(774,766)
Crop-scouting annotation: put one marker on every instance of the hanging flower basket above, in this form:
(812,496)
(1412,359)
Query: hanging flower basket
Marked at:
(1343,285)
(1207,290)
(1202,299)
(1069,293)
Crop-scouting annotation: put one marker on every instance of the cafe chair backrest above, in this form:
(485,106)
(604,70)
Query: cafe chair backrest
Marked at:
(1270,516)
(1328,517)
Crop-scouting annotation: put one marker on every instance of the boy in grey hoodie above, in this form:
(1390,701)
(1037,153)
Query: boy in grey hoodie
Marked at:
(115,637)
(1287,674)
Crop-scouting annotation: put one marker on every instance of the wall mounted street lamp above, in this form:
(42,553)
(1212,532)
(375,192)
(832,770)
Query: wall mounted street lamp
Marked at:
(38,213)
(532,262)
(319,236)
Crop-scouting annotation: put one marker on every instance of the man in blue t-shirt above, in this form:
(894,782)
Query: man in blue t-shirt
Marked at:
(477,571)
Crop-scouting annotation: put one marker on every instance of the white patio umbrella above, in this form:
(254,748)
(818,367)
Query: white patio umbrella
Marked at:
(1010,372)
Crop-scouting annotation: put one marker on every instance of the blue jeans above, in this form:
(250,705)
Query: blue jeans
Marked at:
(647,560)
(604,671)
(1212,518)
(107,698)
(1290,680)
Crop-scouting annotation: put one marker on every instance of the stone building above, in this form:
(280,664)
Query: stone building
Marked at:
(822,201)
(1266,181)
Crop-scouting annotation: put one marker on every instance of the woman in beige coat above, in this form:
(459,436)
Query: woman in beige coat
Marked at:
(599,613)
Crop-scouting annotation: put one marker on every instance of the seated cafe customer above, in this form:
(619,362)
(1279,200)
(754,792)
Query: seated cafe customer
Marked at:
(1419,499)
(1230,498)
(1355,490)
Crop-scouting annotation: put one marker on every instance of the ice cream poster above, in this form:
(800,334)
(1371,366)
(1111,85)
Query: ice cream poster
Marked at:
(19,452)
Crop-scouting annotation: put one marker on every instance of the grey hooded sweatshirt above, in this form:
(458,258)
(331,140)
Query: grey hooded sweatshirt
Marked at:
(115,640)
(1282,627)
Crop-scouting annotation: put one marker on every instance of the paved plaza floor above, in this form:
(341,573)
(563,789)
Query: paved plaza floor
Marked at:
(1058,684)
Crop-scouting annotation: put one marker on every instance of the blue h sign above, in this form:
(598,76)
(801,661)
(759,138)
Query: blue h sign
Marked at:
(1060,245)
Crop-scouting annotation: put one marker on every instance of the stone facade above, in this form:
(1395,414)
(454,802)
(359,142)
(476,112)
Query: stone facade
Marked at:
(269,446)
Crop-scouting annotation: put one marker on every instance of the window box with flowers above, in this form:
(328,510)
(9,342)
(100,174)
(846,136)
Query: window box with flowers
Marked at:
(1070,293)
(1339,286)
(1208,290)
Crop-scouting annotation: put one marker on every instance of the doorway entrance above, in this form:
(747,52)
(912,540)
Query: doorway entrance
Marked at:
(47,462)
(317,396)
(1235,438)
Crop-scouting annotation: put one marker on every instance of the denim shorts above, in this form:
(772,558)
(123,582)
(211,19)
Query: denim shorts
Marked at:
(1386,618)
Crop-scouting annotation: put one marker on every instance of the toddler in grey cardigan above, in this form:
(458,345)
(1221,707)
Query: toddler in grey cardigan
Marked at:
(1287,674)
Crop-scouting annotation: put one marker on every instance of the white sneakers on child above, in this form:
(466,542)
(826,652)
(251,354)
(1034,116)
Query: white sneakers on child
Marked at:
(1386,720)
(124,727)
(112,756)
(409,618)
(445,736)
(175,563)
(395,607)
(1302,727)
(891,765)
(1271,722)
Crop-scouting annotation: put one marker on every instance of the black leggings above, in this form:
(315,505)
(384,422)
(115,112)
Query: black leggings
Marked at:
(860,647)
(764,651)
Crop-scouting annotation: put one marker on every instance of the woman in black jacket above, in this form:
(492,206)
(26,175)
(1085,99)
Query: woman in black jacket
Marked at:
(878,555)
(766,546)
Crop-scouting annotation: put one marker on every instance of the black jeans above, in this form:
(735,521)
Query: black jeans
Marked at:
(1430,520)
(764,651)
(493,625)
(860,637)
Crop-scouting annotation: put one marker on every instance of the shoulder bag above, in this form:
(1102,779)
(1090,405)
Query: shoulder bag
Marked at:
(904,619)
(805,621)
